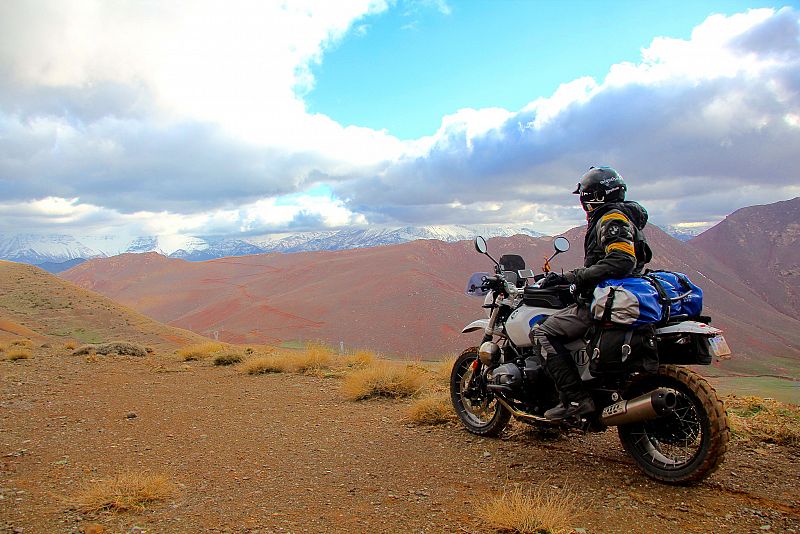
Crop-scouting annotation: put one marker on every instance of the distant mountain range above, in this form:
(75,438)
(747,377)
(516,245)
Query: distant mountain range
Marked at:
(408,298)
(56,253)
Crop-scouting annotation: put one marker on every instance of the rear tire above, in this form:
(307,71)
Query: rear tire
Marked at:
(478,410)
(687,445)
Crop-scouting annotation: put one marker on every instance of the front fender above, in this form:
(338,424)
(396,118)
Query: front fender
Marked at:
(479,324)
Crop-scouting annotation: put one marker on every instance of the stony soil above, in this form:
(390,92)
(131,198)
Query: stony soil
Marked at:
(286,453)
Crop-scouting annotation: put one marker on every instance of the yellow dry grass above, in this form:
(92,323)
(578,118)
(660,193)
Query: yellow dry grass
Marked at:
(17,352)
(385,379)
(763,420)
(537,511)
(359,359)
(434,409)
(71,345)
(199,351)
(263,364)
(24,343)
(129,490)
(314,360)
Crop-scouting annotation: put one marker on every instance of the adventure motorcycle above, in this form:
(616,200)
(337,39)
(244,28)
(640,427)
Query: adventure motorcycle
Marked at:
(669,419)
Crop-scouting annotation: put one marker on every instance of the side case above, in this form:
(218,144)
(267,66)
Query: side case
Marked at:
(616,349)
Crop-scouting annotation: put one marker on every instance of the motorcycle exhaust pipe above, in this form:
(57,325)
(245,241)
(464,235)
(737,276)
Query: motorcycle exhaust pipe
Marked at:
(648,406)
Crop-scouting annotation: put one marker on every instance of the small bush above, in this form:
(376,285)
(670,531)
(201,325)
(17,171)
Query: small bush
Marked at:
(24,343)
(199,351)
(763,420)
(384,379)
(227,358)
(259,365)
(71,345)
(122,348)
(126,491)
(431,410)
(359,359)
(17,353)
(532,512)
(311,361)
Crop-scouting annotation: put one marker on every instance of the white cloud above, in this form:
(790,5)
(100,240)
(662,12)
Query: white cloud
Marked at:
(188,118)
(691,126)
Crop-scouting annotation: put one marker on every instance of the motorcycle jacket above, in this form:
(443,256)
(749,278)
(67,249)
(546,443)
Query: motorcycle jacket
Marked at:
(614,247)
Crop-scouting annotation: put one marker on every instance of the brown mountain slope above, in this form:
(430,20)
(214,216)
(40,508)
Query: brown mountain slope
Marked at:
(40,306)
(402,299)
(761,244)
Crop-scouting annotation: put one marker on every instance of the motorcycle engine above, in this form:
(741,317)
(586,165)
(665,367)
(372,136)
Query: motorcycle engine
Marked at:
(507,376)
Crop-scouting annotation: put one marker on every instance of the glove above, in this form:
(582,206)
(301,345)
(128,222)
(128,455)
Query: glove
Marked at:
(553,279)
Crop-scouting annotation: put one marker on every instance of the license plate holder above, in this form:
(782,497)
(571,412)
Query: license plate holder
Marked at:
(719,347)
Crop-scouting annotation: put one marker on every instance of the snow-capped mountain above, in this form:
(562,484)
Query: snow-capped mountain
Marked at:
(30,248)
(685,233)
(60,248)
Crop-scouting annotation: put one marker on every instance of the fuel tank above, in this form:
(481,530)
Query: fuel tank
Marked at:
(519,324)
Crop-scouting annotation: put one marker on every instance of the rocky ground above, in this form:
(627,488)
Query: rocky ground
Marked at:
(287,453)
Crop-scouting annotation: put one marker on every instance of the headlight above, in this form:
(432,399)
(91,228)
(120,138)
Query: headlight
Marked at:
(489,353)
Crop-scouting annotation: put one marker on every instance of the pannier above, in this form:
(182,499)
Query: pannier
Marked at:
(685,348)
(652,298)
(622,349)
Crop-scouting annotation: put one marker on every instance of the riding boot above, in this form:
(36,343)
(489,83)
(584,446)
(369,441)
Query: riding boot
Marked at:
(574,399)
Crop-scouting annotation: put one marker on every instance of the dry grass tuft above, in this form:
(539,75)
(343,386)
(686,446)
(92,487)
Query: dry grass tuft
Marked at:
(17,352)
(227,358)
(763,420)
(23,343)
(268,363)
(312,361)
(71,345)
(527,512)
(359,359)
(199,351)
(442,371)
(384,379)
(126,491)
(431,410)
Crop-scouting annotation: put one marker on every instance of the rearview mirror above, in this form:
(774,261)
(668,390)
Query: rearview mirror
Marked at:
(480,244)
(561,244)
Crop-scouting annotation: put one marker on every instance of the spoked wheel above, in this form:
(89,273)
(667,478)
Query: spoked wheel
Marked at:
(477,409)
(687,445)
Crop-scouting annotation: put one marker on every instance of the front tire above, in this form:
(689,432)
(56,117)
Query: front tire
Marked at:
(686,446)
(477,408)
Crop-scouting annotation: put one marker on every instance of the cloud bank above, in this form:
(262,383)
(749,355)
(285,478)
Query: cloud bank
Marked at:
(189,118)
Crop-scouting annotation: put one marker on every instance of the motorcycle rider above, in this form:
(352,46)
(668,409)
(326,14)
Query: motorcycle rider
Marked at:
(614,247)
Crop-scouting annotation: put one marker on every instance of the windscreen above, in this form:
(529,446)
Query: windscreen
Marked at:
(474,284)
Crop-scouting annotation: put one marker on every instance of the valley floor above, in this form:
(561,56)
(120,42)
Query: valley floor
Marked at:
(287,453)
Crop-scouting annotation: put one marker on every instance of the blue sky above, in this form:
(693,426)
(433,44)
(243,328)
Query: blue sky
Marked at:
(406,68)
(249,117)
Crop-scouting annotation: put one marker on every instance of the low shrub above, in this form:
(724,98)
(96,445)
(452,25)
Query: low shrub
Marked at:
(126,491)
(268,363)
(227,358)
(431,410)
(199,351)
(123,348)
(359,359)
(532,512)
(384,379)
(71,345)
(763,420)
(17,353)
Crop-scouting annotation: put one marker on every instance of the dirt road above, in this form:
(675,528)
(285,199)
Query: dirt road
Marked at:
(287,453)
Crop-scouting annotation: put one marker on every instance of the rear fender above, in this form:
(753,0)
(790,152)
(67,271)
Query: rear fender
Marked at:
(689,327)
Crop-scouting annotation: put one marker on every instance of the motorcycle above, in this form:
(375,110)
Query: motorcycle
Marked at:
(669,419)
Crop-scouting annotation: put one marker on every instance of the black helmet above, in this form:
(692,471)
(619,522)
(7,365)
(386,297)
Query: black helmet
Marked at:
(600,185)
